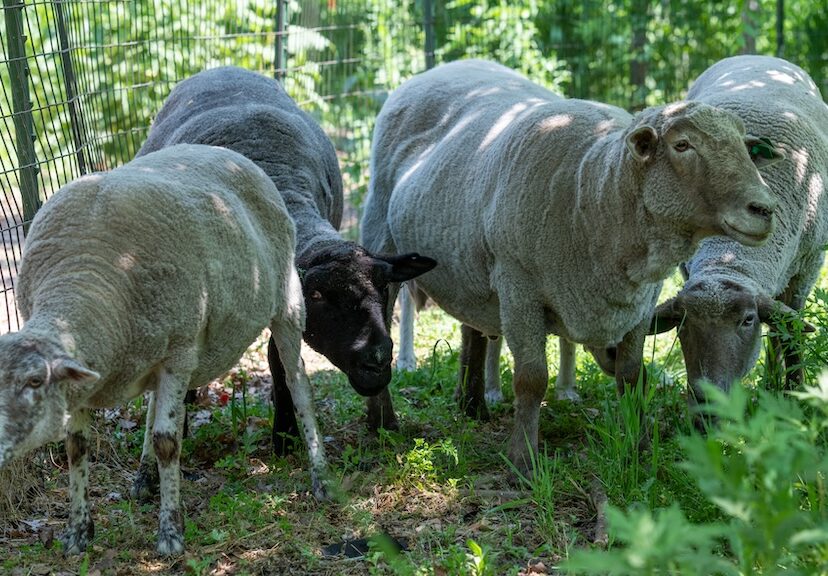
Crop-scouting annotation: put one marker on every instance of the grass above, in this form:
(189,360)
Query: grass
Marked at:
(439,486)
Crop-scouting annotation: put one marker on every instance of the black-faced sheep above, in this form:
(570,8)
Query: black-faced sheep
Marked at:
(731,288)
(345,286)
(156,277)
(550,215)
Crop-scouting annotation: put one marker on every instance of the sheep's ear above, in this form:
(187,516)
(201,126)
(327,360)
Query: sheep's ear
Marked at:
(643,142)
(777,314)
(667,315)
(763,152)
(66,369)
(405,266)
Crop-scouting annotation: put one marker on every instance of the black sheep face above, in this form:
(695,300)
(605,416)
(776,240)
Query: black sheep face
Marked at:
(346,293)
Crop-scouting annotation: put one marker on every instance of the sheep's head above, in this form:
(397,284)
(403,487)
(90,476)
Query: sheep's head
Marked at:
(701,171)
(35,379)
(347,306)
(719,327)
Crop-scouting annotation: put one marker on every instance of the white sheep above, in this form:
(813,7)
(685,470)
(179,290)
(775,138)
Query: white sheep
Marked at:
(731,288)
(550,215)
(156,277)
(344,285)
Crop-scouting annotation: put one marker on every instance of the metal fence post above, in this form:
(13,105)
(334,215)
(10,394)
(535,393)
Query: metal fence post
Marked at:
(281,56)
(75,117)
(23,123)
(428,25)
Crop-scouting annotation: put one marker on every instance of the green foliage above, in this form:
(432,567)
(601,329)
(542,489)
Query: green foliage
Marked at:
(764,465)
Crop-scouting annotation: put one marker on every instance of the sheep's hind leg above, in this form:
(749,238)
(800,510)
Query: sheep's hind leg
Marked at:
(285,428)
(80,528)
(471,379)
(288,341)
(565,383)
(167,432)
(145,484)
(406,360)
(493,392)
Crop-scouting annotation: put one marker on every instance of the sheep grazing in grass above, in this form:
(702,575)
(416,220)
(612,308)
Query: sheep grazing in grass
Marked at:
(156,277)
(550,215)
(345,286)
(730,288)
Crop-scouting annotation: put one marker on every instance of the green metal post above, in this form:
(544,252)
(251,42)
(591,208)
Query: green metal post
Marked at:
(428,24)
(22,106)
(281,59)
(75,117)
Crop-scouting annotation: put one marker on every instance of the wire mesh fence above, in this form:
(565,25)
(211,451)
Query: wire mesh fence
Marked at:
(82,79)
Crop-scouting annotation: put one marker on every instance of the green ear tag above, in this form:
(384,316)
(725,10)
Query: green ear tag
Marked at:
(763,149)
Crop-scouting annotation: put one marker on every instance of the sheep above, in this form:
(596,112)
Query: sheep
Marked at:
(506,185)
(155,277)
(730,288)
(344,285)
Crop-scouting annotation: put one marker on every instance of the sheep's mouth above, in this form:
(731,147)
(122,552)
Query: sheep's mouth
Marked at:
(370,380)
(743,237)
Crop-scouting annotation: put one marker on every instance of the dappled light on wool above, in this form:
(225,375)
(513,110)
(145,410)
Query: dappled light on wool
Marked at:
(748,85)
(783,77)
(126,262)
(561,121)
(800,160)
(816,187)
(502,123)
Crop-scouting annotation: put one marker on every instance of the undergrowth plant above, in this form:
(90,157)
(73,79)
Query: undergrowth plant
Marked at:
(764,465)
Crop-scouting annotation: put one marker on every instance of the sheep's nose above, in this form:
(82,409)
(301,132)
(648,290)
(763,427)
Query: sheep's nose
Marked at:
(762,210)
(377,357)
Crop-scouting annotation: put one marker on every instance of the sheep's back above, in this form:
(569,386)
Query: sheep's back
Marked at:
(248,113)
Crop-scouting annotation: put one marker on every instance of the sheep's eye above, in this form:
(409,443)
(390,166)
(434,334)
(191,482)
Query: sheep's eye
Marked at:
(681,146)
(748,321)
(34,382)
(316,295)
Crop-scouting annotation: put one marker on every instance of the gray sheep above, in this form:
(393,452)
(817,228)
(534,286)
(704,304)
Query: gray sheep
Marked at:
(345,287)
(731,288)
(550,215)
(156,277)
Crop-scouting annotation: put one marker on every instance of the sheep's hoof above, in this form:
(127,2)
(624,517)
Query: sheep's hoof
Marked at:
(319,486)
(568,394)
(475,408)
(170,541)
(145,486)
(494,396)
(76,537)
(384,421)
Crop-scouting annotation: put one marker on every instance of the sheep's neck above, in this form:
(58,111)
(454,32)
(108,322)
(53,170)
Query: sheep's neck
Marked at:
(76,318)
(311,227)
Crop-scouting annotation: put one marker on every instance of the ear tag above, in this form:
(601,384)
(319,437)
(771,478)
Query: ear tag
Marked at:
(763,149)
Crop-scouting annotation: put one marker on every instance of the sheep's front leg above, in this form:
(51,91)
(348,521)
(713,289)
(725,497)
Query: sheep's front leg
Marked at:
(380,412)
(145,484)
(288,340)
(524,328)
(285,428)
(471,379)
(628,360)
(80,528)
(167,432)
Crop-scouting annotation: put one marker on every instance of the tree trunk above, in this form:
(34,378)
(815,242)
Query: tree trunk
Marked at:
(750,23)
